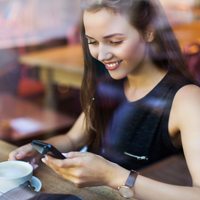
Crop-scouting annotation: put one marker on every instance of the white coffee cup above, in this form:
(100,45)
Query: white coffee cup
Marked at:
(13,174)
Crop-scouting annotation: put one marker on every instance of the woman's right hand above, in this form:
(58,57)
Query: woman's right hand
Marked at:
(26,153)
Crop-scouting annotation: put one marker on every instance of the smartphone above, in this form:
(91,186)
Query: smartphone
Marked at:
(45,148)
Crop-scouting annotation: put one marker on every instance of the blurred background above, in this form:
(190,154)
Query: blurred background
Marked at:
(41,63)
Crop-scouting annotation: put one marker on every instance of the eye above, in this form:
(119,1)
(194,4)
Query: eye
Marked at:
(92,42)
(116,42)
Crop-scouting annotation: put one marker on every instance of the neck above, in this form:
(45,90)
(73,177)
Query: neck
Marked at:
(145,76)
(143,80)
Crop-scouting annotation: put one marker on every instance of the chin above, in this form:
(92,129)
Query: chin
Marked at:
(118,76)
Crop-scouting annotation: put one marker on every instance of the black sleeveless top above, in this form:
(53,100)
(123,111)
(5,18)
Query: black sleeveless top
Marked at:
(137,132)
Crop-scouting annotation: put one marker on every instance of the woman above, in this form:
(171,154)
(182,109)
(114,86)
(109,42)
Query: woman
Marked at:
(138,101)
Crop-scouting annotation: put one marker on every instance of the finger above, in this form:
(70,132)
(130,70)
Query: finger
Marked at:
(66,173)
(70,175)
(64,154)
(52,166)
(20,153)
(34,163)
(74,154)
(52,162)
(16,155)
(57,166)
(12,156)
(66,163)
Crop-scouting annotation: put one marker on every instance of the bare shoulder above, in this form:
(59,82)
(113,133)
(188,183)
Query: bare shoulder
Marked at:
(186,107)
(186,110)
(188,95)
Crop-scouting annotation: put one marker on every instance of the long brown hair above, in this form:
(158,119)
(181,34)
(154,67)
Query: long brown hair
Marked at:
(164,51)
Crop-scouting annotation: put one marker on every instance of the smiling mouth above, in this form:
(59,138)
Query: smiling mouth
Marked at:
(112,66)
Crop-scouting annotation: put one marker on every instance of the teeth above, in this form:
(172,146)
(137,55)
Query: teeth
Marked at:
(113,64)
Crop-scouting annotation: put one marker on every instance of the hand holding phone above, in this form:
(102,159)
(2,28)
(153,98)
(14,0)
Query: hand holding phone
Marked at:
(45,148)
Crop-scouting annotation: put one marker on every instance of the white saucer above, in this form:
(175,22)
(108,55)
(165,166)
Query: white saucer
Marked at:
(36,183)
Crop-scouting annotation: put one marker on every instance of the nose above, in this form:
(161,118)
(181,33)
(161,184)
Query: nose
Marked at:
(104,53)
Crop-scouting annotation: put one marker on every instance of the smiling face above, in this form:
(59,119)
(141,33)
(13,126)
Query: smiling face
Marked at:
(114,41)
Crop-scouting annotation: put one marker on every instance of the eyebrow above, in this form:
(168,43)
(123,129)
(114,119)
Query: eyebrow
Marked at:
(108,36)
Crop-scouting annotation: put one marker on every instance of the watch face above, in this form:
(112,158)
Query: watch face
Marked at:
(126,191)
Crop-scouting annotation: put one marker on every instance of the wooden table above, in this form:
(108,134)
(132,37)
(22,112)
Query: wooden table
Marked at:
(64,63)
(21,120)
(61,65)
(52,183)
(172,170)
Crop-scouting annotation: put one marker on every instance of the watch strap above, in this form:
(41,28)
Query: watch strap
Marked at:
(130,182)
(127,190)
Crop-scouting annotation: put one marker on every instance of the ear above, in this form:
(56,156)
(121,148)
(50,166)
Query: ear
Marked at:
(149,35)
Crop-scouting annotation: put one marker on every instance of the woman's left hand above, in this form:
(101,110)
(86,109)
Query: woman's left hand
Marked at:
(88,169)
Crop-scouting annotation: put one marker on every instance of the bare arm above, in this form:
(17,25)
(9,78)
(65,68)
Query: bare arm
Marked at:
(186,109)
(185,116)
(74,139)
